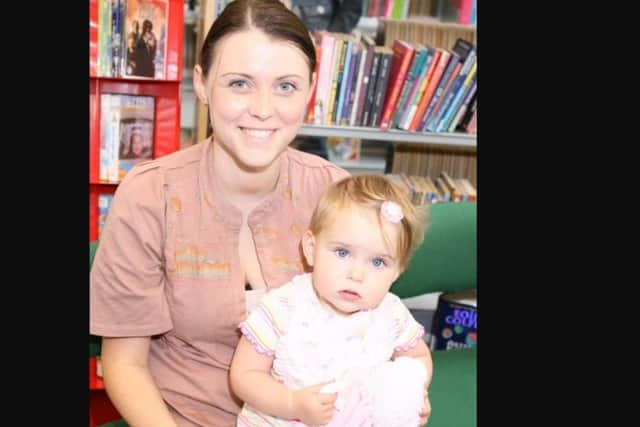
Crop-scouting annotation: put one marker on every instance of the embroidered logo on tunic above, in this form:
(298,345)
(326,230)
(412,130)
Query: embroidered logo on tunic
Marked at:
(295,229)
(176,204)
(287,266)
(270,233)
(193,262)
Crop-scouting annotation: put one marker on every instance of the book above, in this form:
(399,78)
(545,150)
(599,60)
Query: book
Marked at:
(382,83)
(451,186)
(419,87)
(463,126)
(344,82)
(323,86)
(363,92)
(452,109)
(447,79)
(462,82)
(463,108)
(336,75)
(351,81)
(359,82)
(445,194)
(473,123)
(116,43)
(146,34)
(403,53)
(310,113)
(371,86)
(415,68)
(471,195)
(104,204)
(439,69)
(135,132)
(343,149)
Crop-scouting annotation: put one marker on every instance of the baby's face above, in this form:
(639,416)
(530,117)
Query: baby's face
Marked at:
(353,264)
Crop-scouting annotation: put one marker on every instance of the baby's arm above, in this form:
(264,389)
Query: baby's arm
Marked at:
(252,382)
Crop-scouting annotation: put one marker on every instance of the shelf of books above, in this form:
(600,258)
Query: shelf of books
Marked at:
(367,91)
(135,70)
(134,90)
(419,90)
(394,135)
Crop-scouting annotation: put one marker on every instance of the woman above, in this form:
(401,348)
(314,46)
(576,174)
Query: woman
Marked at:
(188,232)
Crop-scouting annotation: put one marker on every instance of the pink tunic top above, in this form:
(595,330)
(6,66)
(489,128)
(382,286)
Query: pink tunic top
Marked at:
(168,266)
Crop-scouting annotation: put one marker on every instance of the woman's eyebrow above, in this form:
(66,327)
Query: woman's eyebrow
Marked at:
(236,74)
(286,76)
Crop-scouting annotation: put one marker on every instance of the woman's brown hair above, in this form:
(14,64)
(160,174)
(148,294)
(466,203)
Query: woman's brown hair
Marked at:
(269,16)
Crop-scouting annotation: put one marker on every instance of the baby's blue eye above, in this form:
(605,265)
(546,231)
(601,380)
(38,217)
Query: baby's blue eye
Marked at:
(378,262)
(342,253)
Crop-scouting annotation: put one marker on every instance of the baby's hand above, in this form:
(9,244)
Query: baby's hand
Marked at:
(312,407)
(426,410)
(356,408)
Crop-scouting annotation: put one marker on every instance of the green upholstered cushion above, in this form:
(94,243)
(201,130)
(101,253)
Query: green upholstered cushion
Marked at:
(453,391)
(446,260)
(95,345)
(94,341)
(92,251)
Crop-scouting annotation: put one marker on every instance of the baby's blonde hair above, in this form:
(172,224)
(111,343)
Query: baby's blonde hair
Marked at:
(370,191)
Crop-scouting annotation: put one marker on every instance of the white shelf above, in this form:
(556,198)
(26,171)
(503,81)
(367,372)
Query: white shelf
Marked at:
(429,138)
(366,163)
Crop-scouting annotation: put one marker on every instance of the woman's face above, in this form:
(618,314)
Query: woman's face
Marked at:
(257,90)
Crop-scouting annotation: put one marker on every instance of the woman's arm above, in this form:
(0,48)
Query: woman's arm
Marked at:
(129,383)
(252,382)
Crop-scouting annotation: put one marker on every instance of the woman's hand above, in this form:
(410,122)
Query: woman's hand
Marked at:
(426,410)
(312,407)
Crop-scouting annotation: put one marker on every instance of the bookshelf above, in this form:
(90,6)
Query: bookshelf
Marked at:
(167,17)
(416,28)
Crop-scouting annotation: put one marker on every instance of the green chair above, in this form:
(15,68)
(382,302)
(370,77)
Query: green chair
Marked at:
(94,341)
(116,423)
(446,262)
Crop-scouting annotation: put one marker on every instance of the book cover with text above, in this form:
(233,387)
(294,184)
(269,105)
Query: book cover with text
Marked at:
(145,38)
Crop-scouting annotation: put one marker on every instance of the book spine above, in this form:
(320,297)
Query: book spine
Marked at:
(402,56)
(430,90)
(447,116)
(373,77)
(352,81)
(344,77)
(359,85)
(381,89)
(419,87)
(463,109)
(407,88)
